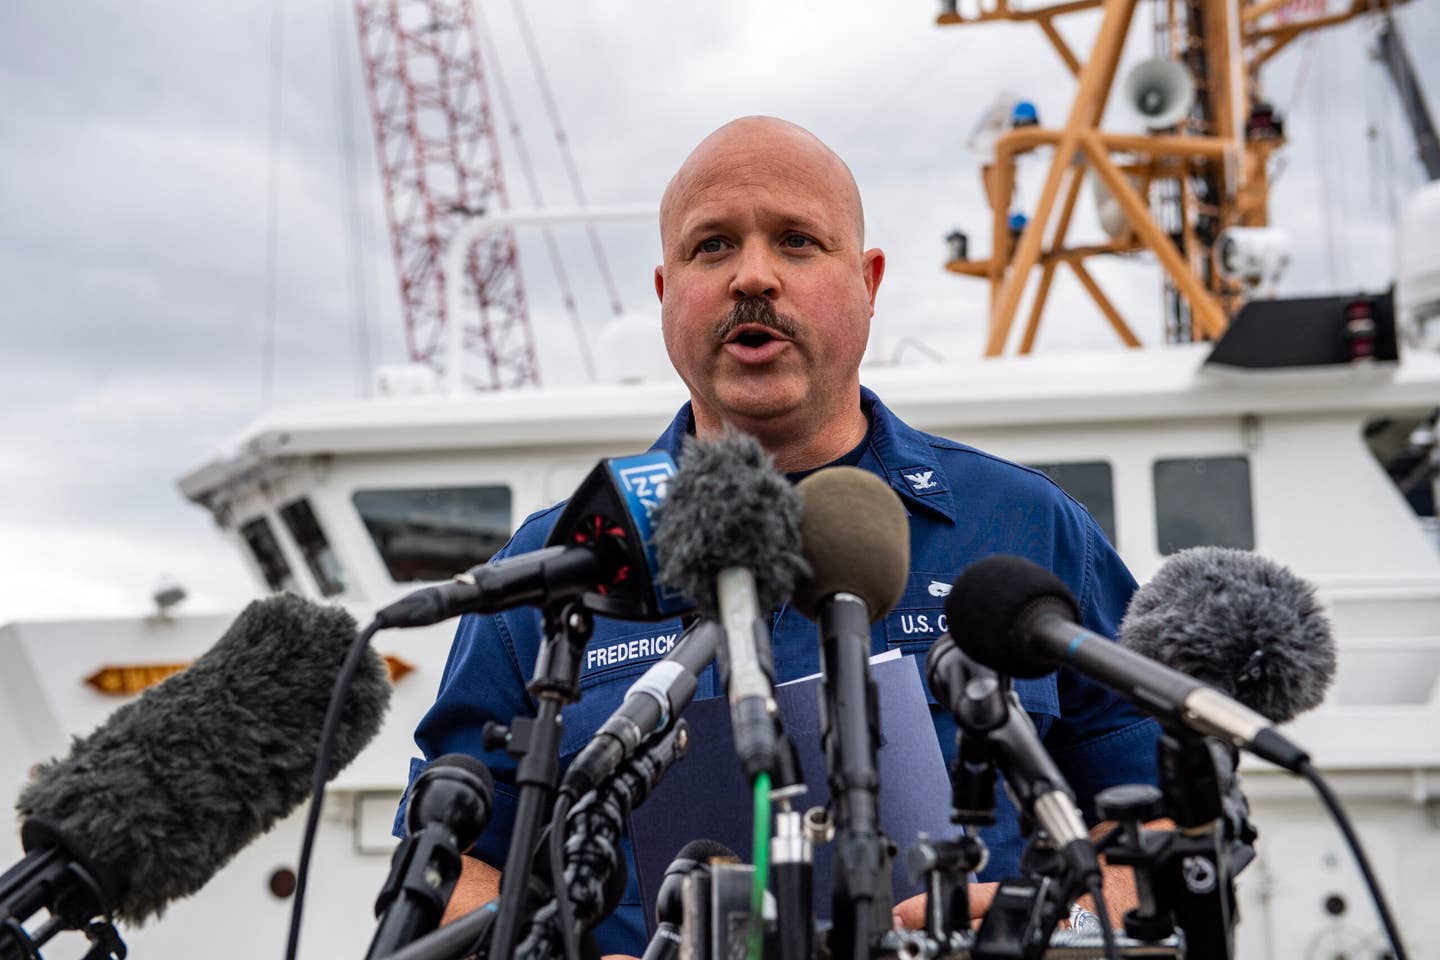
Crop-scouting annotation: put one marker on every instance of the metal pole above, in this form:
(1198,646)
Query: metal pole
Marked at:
(476,228)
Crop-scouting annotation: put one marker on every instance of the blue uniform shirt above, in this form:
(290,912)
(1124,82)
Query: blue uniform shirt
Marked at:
(963,505)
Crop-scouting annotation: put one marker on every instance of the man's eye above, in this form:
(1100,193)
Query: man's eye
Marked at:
(711,245)
(797,241)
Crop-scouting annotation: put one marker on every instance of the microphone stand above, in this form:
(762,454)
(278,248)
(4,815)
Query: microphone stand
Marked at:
(1214,840)
(1186,877)
(592,845)
(863,892)
(449,807)
(1027,908)
(791,856)
(536,741)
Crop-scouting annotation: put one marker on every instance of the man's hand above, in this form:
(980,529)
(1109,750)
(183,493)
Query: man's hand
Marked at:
(479,883)
(910,914)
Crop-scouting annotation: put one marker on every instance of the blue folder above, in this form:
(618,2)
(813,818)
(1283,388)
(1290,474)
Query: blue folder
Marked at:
(705,795)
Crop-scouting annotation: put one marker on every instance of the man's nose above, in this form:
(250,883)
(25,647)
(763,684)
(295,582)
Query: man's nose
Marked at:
(755,273)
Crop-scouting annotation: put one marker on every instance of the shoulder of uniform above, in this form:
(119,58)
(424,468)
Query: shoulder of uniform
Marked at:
(960,457)
(534,530)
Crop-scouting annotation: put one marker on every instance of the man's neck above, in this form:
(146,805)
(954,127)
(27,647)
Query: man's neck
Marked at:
(797,447)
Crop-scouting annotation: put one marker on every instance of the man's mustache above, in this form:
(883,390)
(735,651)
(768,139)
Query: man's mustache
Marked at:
(756,310)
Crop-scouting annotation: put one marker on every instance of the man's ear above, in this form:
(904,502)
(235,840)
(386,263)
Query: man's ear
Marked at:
(660,283)
(872,267)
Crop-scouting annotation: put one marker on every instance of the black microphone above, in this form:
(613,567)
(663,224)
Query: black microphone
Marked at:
(651,706)
(985,705)
(669,903)
(857,543)
(535,578)
(450,804)
(164,793)
(1020,619)
(728,535)
(600,549)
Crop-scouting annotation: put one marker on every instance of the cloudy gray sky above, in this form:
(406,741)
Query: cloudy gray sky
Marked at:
(136,149)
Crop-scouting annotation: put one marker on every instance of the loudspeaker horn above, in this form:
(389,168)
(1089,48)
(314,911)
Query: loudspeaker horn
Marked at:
(1160,91)
(1107,209)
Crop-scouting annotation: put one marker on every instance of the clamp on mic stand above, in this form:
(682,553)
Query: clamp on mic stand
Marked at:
(71,890)
(944,866)
(1130,805)
(536,741)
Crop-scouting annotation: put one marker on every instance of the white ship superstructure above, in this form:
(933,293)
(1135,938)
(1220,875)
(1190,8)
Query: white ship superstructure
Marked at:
(351,501)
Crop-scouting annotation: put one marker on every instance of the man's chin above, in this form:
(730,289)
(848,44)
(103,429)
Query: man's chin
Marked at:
(759,404)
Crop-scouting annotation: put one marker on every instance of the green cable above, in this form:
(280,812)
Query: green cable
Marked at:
(761,855)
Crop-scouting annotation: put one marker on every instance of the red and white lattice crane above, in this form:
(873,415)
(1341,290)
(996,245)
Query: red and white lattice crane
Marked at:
(440,163)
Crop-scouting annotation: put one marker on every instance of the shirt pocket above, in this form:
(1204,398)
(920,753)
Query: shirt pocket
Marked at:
(919,619)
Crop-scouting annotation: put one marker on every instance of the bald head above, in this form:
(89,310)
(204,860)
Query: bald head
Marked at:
(760,146)
(766,291)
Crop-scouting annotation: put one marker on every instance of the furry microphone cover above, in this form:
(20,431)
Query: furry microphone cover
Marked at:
(1240,622)
(174,784)
(728,507)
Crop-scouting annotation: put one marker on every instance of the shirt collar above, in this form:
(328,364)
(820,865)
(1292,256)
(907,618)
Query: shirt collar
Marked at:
(903,456)
(898,452)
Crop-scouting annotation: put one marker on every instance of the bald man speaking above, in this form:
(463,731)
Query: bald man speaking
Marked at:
(766,293)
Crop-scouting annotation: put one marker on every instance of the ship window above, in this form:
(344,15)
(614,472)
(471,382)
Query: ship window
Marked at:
(324,566)
(266,550)
(1090,482)
(1406,448)
(433,533)
(1203,501)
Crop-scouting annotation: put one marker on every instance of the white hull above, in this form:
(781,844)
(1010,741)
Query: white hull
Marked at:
(1321,505)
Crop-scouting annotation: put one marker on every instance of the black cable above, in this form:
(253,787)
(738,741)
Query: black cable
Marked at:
(592,845)
(322,767)
(1332,803)
(1096,890)
(564,908)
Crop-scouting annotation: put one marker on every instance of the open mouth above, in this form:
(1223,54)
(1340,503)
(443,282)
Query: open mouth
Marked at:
(753,338)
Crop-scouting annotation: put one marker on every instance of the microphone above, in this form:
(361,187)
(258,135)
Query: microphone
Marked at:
(728,535)
(985,706)
(599,549)
(669,902)
(1020,619)
(450,805)
(857,545)
(161,796)
(651,706)
(1257,632)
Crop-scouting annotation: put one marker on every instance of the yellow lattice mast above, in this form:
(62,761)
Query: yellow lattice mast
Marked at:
(1179,191)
